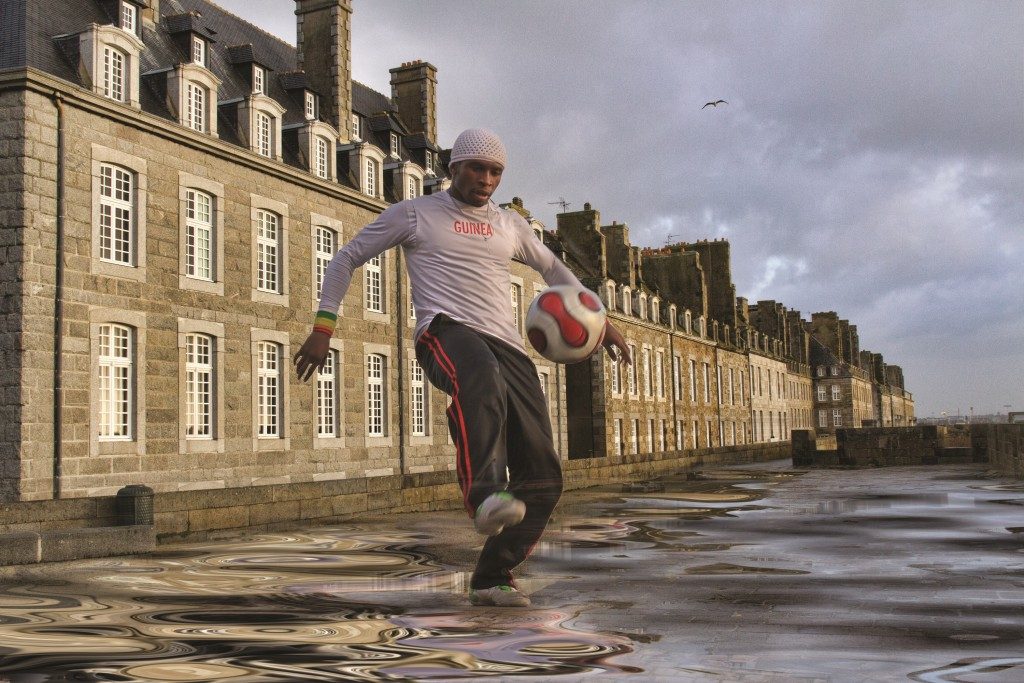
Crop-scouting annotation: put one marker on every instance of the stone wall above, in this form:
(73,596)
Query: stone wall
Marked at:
(202,514)
(12,218)
(1003,446)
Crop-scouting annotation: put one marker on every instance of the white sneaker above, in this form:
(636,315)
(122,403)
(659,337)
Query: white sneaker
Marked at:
(499,596)
(498,511)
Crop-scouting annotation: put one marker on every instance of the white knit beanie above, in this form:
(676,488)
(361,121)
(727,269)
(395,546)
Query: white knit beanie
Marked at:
(480,144)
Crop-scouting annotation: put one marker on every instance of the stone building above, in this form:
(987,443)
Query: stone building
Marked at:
(175,181)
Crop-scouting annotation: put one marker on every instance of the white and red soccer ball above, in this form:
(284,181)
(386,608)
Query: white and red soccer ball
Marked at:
(566,323)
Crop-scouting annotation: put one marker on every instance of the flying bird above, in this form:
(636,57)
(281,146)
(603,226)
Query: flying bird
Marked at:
(715,104)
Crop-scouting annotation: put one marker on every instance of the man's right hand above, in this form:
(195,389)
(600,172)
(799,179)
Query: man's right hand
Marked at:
(312,356)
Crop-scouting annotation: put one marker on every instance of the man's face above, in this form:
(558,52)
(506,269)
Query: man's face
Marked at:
(475,181)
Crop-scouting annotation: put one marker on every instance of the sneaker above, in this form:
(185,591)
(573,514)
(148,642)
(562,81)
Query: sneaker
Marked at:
(498,511)
(499,596)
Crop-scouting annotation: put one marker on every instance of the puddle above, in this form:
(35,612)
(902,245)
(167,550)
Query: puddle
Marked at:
(726,568)
(1008,669)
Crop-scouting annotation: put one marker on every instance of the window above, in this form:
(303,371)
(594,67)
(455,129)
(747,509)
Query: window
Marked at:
(414,188)
(129,17)
(376,368)
(689,322)
(821,371)
(627,301)
(264,134)
(733,433)
(822,395)
(677,386)
(732,389)
(823,418)
(195,107)
(718,383)
(373,285)
(632,371)
(707,383)
(616,375)
(268,390)
(837,418)
(837,392)
(321,165)
(609,295)
(636,436)
(659,371)
(429,160)
(327,394)
(199,238)
(743,394)
(259,82)
(617,436)
(662,437)
(645,355)
(835,370)
(418,399)
(326,239)
(199,358)
(679,435)
(370,182)
(117,215)
(198,50)
(310,106)
(268,262)
(515,295)
(707,433)
(693,381)
(356,129)
(656,311)
(116,382)
(542,375)
(113,73)
(696,435)
(650,435)
(394,144)
(643,306)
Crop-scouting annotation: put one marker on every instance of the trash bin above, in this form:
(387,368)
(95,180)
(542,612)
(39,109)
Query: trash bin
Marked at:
(134,505)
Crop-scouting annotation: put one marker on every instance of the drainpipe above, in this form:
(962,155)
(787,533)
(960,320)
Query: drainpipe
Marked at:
(399,327)
(675,382)
(558,408)
(58,306)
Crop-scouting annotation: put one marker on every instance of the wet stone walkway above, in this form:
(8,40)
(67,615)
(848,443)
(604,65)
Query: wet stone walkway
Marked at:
(741,574)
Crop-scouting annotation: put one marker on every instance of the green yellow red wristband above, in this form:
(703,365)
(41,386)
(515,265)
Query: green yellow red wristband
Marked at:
(325,322)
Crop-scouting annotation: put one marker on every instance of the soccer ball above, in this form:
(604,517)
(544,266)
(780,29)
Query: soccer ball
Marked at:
(565,323)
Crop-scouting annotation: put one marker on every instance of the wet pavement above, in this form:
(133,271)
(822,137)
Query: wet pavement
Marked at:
(759,573)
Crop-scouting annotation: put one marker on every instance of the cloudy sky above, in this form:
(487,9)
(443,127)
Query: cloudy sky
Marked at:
(870,159)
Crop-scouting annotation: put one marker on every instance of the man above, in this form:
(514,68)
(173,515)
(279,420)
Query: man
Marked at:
(458,246)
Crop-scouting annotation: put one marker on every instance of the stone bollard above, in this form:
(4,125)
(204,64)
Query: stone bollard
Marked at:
(134,505)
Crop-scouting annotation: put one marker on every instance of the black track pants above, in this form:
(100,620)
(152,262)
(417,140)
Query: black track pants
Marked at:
(498,418)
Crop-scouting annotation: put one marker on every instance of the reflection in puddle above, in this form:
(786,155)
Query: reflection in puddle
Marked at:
(725,568)
(1008,669)
(262,610)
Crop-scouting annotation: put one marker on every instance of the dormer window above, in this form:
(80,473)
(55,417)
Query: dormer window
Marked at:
(198,51)
(259,79)
(310,106)
(264,131)
(321,165)
(429,161)
(113,73)
(129,17)
(415,187)
(195,107)
(394,144)
(357,133)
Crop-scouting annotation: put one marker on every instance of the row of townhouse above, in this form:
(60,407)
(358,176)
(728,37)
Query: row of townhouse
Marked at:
(176,181)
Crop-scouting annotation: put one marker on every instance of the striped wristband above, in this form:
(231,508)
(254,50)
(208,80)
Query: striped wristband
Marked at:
(325,322)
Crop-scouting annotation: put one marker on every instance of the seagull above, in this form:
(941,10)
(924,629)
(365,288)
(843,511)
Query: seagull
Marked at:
(715,104)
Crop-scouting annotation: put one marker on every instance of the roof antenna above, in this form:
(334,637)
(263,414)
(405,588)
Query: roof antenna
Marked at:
(561,202)
(669,237)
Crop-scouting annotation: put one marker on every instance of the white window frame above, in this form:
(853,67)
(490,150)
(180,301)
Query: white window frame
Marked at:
(837,392)
(822,392)
(328,397)
(269,395)
(214,442)
(823,418)
(373,285)
(129,17)
(615,372)
(375,376)
(693,380)
(718,383)
(200,237)
(267,436)
(263,129)
(636,435)
(627,301)
(837,418)
(677,379)
(190,184)
(94,45)
(419,400)
(135,445)
(645,362)
(115,66)
(371,177)
(659,373)
(414,187)
(183,82)
(310,101)
(269,268)
(198,51)
(515,293)
(200,386)
(632,380)
(117,229)
(394,144)
(356,127)
(261,207)
(325,245)
(196,98)
(259,80)
(617,435)
(137,269)
(680,435)
(321,157)
(116,382)
(707,382)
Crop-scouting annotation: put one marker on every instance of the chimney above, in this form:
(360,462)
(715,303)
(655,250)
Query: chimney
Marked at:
(414,92)
(324,37)
(151,12)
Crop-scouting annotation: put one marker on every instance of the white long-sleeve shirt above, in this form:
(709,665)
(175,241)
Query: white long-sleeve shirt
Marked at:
(458,258)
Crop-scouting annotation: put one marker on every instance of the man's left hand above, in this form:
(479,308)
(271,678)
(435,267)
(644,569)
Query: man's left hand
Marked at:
(615,344)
